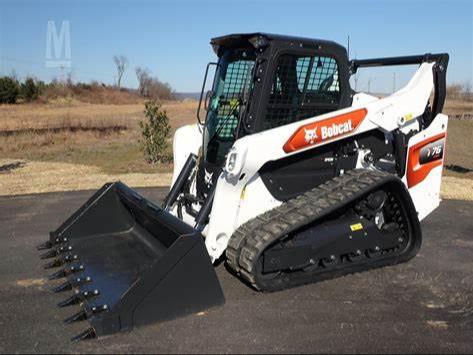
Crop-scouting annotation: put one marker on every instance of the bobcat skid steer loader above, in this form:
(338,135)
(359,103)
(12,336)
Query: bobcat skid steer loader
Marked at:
(292,178)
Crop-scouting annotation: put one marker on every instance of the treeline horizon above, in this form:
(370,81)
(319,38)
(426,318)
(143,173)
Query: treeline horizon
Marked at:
(31,89)
(14,90)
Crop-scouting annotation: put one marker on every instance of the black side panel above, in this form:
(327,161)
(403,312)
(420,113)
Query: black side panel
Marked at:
(376,141)
(289,177)
(182,282)
(189,287)
(440,84)
(400,143)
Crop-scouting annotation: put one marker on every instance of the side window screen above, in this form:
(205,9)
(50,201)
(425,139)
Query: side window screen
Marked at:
(233,86)
(303,87)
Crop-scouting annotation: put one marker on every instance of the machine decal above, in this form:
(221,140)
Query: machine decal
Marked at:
(431,152)
(208,178)
(423,157)
(310,135)
(356,227)
(325,130)
(408,117)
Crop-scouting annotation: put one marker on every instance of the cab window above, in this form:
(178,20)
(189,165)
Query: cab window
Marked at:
(303,87)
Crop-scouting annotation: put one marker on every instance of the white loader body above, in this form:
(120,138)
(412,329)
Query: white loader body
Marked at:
(240,194)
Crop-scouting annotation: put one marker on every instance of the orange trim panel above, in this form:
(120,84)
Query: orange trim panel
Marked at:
(423,157)
(325,130)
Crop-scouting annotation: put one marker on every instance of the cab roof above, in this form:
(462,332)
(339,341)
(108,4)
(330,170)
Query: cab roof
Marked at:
(245,39)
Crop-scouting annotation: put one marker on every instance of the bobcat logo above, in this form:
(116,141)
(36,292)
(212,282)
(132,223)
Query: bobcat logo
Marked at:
(310,135)
(208,178)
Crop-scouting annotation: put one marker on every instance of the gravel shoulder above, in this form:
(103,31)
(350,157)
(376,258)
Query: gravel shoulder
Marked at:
(28,177)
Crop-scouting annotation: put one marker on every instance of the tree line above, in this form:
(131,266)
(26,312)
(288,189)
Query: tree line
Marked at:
(13,90)
(149,86)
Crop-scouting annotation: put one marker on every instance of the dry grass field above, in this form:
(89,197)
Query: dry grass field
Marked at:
(458,107)
(104,136)
(70,144)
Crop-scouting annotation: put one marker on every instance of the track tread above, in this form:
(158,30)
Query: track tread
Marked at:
(251,239)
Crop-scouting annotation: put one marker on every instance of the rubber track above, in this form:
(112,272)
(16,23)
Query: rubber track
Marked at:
(251,239)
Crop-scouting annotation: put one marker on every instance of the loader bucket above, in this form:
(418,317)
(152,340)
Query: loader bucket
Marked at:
(128,263)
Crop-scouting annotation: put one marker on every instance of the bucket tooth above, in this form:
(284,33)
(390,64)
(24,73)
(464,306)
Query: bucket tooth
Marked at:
(75,268)
(79,316)
(55,252)
(54,263)
(57,275)
(61,261)
(60,240)
(70,258)
(66,271)
(78,297)
(74,299)
(84,295)
(64,248)
(80,281)
(49,254)
(46,245)
(66,286)
(87,334)
(70,284)
(99,309)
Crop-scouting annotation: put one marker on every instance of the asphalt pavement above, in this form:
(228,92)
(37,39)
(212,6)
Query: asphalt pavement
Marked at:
(425,305)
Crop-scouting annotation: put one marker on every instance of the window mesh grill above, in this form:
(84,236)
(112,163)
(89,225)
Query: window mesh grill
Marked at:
(324,70)
(303,87)
(237,80)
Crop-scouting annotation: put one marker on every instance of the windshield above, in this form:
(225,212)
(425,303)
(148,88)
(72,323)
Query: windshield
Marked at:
(231,84)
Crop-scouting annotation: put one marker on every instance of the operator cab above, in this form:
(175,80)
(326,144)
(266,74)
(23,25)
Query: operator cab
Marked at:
(263,81)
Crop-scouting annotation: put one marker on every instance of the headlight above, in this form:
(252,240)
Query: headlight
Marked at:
(231,161)
(235,161)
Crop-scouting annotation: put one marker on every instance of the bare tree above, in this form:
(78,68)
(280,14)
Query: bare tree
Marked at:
(120,62)
(454,91)
(152,87)
(144,79)
(467,91)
